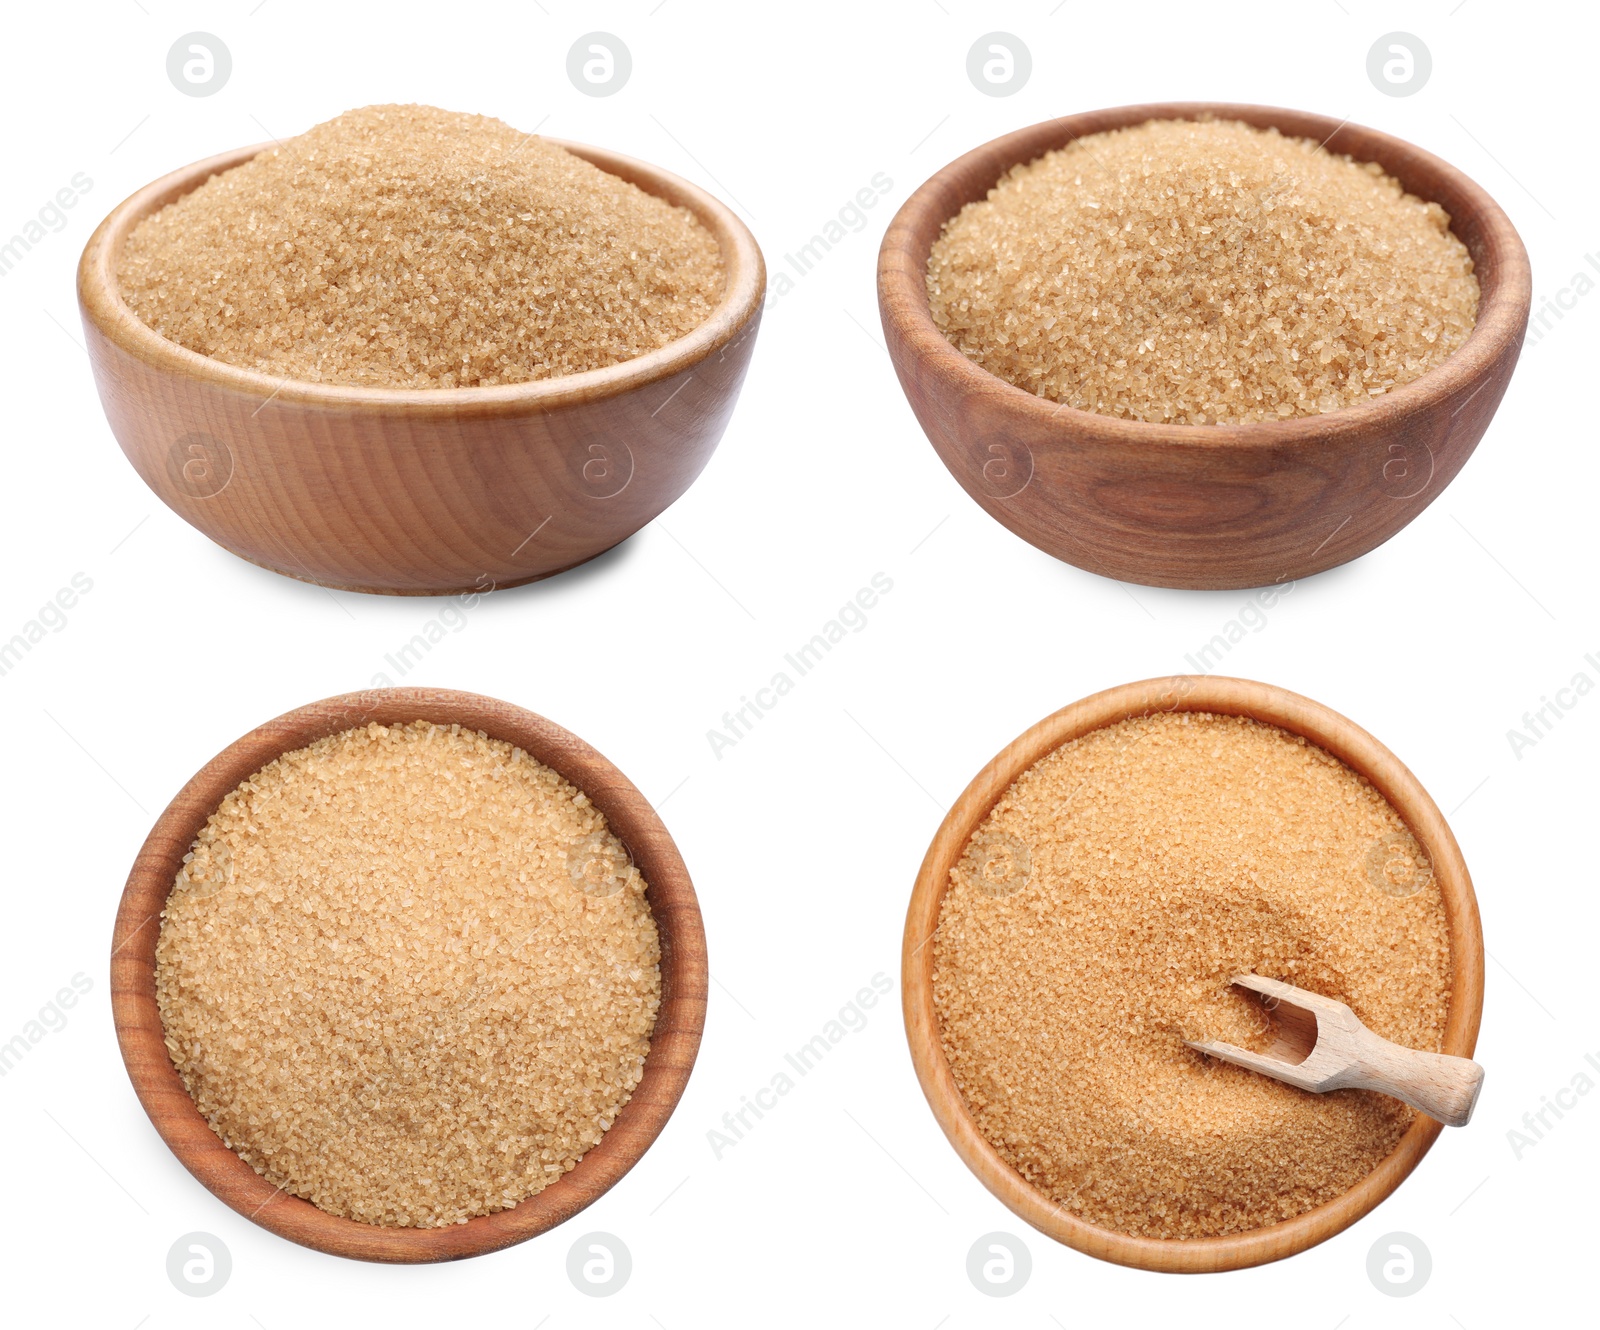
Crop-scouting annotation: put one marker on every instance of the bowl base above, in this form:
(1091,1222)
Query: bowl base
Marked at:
(472,589)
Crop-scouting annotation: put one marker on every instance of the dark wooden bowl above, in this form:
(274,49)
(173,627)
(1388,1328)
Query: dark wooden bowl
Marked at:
(419,491)
(1208,506)
(673,1045)
(1235,697)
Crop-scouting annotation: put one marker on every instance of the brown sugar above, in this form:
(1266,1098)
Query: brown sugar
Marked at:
(408,247)
(408,974)
(1202,272)
(1094,923)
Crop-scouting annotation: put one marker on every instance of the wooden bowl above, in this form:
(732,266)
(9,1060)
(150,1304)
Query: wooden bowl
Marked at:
(1237,697)
(419,491)
(673,1045)
(1209,506)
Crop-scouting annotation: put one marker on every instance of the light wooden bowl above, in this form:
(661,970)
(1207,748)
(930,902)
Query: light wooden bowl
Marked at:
(1238,697)
(1209,506)
(418,491)
(673,1045)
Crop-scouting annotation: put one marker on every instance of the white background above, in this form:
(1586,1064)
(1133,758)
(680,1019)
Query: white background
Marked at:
(845,1205)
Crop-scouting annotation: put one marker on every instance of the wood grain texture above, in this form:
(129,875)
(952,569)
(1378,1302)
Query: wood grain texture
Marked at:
(673,1045)
(1276,706)
(419,491)
(1320,1045)
(1203,506)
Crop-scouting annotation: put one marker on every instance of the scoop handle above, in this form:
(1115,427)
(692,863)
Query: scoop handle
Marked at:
(1445,1088)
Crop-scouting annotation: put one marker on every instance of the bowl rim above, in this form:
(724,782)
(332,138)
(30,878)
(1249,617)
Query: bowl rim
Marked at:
(674,1042)
(1332,732)
(744,289)
(1502,312)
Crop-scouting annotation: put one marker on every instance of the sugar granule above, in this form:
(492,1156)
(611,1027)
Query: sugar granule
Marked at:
(1094,922)
(390,986)
(408,247)
(1202,272)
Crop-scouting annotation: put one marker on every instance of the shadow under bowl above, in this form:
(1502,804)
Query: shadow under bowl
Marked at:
(419,491)
(1203,506)
(1334,734)
(673,1044)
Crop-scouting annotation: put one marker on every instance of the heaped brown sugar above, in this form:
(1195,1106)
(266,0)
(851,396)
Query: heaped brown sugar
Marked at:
(408,247)
(1202,272)
(408,974)
(1094,923)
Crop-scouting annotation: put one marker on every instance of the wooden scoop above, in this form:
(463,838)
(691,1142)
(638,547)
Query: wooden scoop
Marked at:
(1321,1046)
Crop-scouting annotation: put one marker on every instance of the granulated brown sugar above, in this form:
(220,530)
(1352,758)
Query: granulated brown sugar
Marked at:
(408,974)
(1202,273)
(408,247)
(1094,923)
